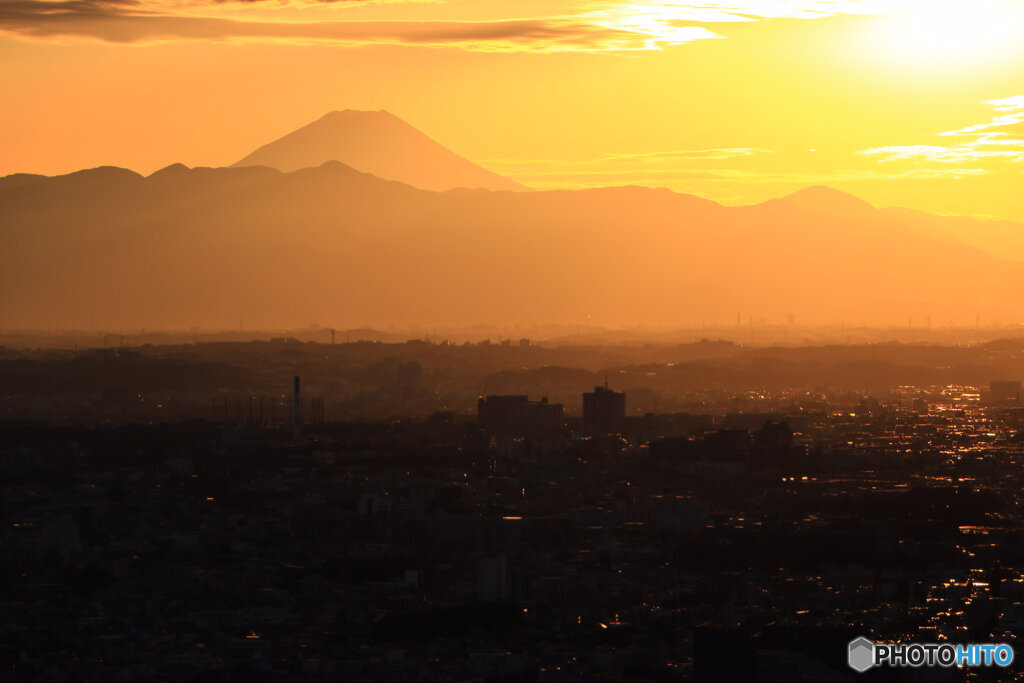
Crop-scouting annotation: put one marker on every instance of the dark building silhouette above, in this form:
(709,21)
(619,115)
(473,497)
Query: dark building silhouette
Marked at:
(728,445)
(604,411)
(775,435)
(409,374)
(774,446)
(1005,393)
(492,579)
(297,407)
(724,654)
(519,416)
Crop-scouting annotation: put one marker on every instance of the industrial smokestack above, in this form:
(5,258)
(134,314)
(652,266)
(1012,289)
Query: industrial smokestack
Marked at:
(297,407)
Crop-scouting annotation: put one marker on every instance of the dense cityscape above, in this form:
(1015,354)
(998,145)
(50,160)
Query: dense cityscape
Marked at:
(511,341)
(291,510)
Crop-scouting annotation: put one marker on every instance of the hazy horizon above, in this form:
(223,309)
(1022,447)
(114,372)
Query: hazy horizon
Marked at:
(903,103)
(261,248)
(314,144)
(750,176)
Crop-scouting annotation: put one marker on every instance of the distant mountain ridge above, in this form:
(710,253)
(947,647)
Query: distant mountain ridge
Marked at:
(828,200)
(379,143)
(218,246)
(215,247)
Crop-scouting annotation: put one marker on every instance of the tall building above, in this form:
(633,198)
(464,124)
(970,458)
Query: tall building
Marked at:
(604,411)
(1005,393)
(492,579)
(519,416)
(297,407)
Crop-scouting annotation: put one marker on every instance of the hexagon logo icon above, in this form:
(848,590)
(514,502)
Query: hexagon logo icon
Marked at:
(861,654)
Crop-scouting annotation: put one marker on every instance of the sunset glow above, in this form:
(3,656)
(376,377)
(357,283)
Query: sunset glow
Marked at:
(553,95)
(944,33)
(511,340)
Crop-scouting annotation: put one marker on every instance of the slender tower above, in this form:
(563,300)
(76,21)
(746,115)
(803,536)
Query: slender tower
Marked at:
(297,407)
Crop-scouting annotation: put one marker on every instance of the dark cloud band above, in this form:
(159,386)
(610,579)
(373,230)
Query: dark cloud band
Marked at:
(129,21)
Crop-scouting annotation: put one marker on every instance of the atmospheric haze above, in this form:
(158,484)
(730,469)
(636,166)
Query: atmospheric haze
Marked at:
(331,236)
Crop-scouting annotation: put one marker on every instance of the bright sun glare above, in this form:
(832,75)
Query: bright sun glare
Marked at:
(938,31)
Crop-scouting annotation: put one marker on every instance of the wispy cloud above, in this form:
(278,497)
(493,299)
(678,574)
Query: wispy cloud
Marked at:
(1011,114)
(595,26)
(1009,150)
(686,154)
(576,178)
(696,168)
(129,21)
(635,159)
(725,11)
(996,139)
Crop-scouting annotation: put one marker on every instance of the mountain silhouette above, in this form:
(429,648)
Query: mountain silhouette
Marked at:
(1000,237)
(380,143)
(108,248)
(827,200)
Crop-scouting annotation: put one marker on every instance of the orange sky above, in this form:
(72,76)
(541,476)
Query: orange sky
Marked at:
(901,102)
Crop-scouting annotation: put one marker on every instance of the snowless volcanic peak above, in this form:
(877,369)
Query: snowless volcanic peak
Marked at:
(380,143)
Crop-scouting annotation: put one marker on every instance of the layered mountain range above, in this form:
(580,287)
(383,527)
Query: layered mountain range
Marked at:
(332,244)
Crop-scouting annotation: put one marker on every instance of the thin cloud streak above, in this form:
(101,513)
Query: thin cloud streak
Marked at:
(127,21)
(553,179)
(992,140)
(724,11)
(611,26)
(642,157)
(968,152)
